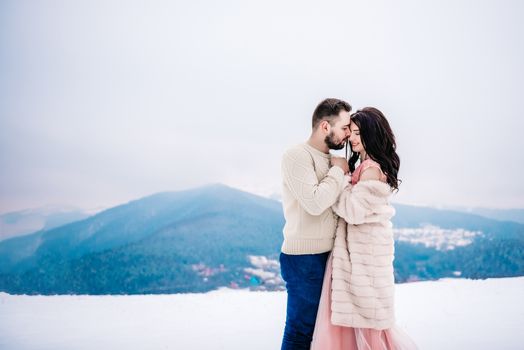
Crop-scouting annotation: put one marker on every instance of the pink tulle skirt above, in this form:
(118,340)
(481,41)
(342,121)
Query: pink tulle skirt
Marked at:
(331,337)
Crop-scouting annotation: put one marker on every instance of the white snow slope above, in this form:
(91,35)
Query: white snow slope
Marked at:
(447,314)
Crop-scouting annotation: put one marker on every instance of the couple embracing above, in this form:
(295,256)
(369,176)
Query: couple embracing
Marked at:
(338,249)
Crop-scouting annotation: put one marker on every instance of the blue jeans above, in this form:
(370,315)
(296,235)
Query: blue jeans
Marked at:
(304,275)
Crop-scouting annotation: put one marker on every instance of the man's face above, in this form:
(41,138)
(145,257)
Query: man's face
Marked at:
(339,131)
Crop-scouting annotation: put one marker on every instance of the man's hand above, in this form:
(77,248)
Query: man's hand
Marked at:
(341,163)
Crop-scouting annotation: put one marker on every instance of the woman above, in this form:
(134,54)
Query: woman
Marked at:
(357,304)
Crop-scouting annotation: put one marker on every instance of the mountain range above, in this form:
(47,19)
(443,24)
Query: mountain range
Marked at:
(214,236)
(24,222)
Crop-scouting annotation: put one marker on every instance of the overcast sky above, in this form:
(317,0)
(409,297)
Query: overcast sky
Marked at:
(102,102)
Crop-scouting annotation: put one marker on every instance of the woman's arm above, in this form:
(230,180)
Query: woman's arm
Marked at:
(365,202)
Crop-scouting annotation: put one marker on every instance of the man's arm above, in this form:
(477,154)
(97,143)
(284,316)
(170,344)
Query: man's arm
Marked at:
(313,195)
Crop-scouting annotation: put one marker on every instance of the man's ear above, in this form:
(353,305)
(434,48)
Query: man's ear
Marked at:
(325,126)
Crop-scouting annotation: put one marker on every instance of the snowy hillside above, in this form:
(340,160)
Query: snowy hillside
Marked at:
(448,314)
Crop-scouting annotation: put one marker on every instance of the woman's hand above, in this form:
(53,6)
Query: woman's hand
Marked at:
(340,162)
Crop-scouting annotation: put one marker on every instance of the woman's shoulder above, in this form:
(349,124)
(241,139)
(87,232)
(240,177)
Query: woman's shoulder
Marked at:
(369,163)
(371,170)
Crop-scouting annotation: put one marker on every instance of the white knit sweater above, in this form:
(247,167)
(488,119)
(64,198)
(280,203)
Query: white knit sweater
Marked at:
(362,281)
(310,186)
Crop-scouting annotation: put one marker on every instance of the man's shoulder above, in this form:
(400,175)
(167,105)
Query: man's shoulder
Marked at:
(297,152)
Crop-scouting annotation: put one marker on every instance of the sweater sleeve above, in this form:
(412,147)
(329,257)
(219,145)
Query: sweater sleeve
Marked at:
(299,176)
(359,204)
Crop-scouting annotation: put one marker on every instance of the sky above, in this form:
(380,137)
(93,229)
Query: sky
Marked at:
(102,102)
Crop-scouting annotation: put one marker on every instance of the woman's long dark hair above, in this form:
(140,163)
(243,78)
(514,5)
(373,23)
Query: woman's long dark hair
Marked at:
(378,140)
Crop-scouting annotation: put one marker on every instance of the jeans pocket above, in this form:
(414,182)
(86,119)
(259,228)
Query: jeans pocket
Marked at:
(287,267)
(302,268)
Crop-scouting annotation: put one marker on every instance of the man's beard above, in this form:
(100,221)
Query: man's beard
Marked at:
(330,142)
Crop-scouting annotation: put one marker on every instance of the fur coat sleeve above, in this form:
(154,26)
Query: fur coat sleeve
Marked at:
(365,202)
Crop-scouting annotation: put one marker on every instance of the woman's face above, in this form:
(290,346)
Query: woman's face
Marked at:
(354,138)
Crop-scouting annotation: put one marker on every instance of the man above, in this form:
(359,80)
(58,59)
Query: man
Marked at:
(312,182)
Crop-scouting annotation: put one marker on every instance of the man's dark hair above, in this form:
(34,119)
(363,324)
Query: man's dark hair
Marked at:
(329,110)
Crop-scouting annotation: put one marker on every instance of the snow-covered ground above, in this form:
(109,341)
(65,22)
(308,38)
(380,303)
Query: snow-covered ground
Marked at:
(447,314)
